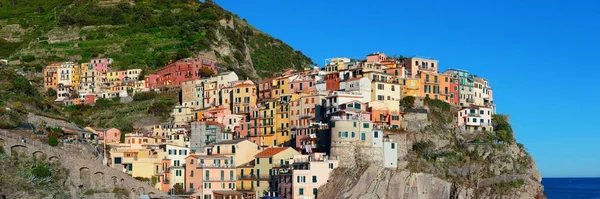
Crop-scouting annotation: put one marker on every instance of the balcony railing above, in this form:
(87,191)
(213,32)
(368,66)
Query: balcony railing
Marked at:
(306,116)
(253,177)
(226,166)
(219,180)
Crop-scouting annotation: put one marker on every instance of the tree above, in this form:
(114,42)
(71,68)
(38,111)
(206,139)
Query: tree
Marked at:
(206,72)
(178,189)
(183,53)
(51,92)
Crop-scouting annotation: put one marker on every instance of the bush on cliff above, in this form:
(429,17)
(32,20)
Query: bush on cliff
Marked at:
(407,102)
(53,141)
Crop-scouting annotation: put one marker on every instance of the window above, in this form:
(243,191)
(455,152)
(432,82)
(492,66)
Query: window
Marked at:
(395,117)
(315,191)
(365,125)
(393,88)
(354,124)
(380,86)
(380,97)
(376,134)
(117,160)
(331,165)
(257,160)
(314,179)
(191,185)
(270,160)
(192,173)
(230,175)
(207,175)
(191,161)
(222,175)
(363,136)
(393,145)
(481,112)
(301,191)
(352,134)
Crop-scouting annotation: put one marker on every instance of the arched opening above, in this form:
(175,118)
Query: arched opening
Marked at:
(99,180)
(39,156)
(84,177)
(18,150)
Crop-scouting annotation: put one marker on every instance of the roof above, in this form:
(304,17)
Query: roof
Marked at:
(271,152)
(230,142)
(249,164)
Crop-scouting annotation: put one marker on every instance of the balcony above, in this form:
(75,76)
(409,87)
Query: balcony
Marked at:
(253,177)
(412,87)
(280,129)
(470,100)
(307,116)
(221,166)
(219,180)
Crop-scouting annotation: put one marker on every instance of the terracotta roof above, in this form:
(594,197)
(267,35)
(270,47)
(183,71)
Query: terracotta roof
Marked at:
(271,152)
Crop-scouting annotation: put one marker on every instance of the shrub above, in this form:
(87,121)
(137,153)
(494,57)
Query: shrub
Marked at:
(407,102)
(41,171)
(53,141)
(51,92)
(423,147)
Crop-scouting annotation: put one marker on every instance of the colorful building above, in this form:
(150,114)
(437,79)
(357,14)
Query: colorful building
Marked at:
(267,161)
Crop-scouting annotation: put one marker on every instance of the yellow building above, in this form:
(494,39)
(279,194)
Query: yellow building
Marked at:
(136,162)
(266,162)
(244,97)
(246,178)
(281,87)
(282,122)
(262,129)
(411,87)
(385,90)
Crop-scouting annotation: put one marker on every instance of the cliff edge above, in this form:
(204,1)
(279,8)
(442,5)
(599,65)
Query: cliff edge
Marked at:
(436,159)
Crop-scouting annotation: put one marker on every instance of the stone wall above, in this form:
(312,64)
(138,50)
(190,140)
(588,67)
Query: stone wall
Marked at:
(86,170)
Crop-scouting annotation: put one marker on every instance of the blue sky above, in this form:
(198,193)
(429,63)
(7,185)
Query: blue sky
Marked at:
(540,56)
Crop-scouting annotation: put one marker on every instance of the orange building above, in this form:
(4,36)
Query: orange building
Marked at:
(51,76)
(430,85)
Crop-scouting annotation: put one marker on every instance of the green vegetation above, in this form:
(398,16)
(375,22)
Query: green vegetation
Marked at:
(37,179)
(51,92)
(423,147)
(53,141)
(17,97)
(146,34)
(407,102)
(439,111)
(503,129)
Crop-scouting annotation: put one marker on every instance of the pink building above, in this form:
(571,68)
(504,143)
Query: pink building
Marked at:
(302,83)
(113,135)
(180,71)
(376,57)
(206,175)
(308,173)
(101,64)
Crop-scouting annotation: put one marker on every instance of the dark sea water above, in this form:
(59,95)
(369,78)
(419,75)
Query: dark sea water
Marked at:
(572,188)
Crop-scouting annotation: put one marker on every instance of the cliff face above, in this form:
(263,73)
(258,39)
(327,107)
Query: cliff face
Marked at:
(436,160)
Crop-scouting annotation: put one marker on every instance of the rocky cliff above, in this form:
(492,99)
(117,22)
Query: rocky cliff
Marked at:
(437,160)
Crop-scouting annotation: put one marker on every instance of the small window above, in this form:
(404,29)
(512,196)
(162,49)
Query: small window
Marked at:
(365,125)
(314,179)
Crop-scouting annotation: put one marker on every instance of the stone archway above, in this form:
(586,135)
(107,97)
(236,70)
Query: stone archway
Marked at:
(84,177)
(54,159)
(140,190)
(39,156)
(18,150)
(98,180)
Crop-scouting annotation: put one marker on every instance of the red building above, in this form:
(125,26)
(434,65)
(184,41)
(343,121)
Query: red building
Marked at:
(454,90)
(332,81)
(179,71)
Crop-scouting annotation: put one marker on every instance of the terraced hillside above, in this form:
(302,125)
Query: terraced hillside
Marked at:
(144,34)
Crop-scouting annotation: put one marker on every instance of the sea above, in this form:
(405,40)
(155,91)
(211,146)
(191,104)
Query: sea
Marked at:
(572,188)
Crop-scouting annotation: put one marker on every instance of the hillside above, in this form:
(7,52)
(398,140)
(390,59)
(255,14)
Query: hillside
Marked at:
(146,34)
(436,160)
